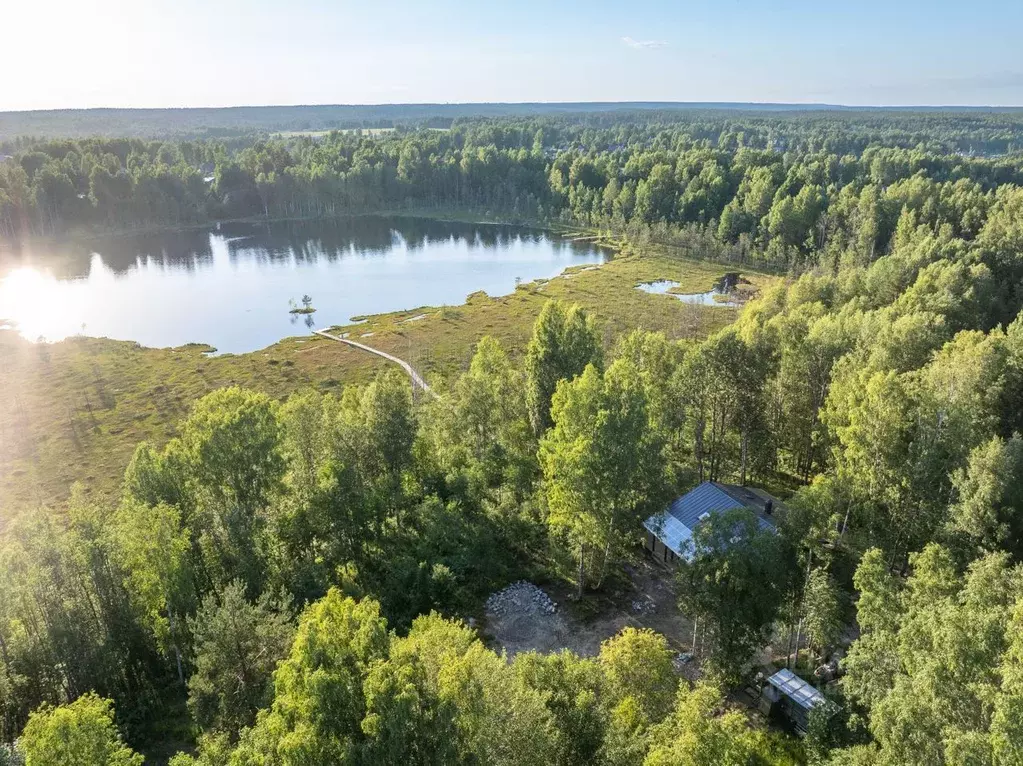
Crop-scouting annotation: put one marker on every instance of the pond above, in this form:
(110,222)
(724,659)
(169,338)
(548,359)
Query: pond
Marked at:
(233,286)
(722,294)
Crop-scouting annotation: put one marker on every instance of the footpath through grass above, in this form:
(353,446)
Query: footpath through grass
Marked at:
(75,410)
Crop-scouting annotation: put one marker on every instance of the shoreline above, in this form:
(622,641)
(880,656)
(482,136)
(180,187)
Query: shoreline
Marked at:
(613,248)
(406,314)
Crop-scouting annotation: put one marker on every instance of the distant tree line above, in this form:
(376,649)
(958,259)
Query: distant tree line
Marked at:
(981,130)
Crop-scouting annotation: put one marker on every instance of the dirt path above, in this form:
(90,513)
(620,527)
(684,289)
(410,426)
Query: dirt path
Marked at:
(417,379)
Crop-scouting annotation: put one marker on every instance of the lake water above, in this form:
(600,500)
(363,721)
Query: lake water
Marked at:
(231,286)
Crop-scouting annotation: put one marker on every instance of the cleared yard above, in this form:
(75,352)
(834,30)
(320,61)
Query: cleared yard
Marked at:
(647,600)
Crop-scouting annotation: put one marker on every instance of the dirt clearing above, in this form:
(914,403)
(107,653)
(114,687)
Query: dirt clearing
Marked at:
(518,618)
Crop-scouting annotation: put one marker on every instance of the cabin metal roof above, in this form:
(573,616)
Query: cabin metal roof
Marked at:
(674,526)
(796,689)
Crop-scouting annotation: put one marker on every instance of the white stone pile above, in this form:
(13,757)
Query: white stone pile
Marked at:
(643,607)
(520,596)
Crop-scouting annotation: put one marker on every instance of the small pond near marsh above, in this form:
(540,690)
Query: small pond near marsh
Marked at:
(232,286)
(722,294)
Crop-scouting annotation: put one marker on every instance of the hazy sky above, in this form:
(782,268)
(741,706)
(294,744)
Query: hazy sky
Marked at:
(151,53)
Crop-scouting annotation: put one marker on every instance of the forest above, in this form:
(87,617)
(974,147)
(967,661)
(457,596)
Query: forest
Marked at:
(291,582)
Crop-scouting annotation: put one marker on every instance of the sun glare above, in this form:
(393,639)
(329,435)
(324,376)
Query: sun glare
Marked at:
(36,304)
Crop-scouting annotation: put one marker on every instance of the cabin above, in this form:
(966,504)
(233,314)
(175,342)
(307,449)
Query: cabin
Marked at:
(789,695)
(669,533)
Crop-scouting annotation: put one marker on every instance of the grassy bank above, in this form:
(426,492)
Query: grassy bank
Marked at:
(75,410)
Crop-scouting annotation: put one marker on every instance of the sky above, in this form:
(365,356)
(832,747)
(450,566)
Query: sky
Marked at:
(59,54)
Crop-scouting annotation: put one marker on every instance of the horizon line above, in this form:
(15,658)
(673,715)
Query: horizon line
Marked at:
(790,105)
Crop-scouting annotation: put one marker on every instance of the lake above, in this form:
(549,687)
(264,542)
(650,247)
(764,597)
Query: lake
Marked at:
(232,286)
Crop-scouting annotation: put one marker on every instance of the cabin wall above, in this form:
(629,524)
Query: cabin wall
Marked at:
(658,550)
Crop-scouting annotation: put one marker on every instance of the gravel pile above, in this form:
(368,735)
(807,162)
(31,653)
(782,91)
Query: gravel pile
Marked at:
(643,607)
(520,596)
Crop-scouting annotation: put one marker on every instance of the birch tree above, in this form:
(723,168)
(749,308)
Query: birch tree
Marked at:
(602,467)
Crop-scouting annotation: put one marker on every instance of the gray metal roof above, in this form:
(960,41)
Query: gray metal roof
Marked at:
(751,497)
(674,525)
(796,689)
(671,532)
(706,498)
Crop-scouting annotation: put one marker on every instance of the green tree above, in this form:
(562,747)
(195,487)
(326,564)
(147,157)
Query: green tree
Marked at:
(500,715)
(822,610)
(405,721)
(655,195)
(305,420)
(723,383)
(871,419)
(1007,720)
(318,706)
(213,750)
(232,438)
(372,437)
(153,477)
(637,664)
(734,581)
(237,645)
(390,426)
(152,549)
(564,341)
(659,362)
(602,466)
(82,732)
(988,510)
(872,661)
(695,734)
(574,691)
(933,671)
(230,448)
(482,426)
(500,720)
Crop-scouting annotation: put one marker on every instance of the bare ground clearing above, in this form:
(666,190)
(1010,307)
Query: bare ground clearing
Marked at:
(646,600)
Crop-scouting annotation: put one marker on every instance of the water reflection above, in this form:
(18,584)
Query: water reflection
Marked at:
(230,286)
(722,294)
(70,259)
(306,319)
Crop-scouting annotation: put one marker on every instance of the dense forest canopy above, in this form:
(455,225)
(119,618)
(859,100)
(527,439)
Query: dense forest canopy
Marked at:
(283,580)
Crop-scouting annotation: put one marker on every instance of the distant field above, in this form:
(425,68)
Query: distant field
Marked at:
(75,410)
(321,133)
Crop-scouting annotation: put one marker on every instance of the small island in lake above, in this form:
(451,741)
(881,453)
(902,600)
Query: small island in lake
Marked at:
(305,308)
